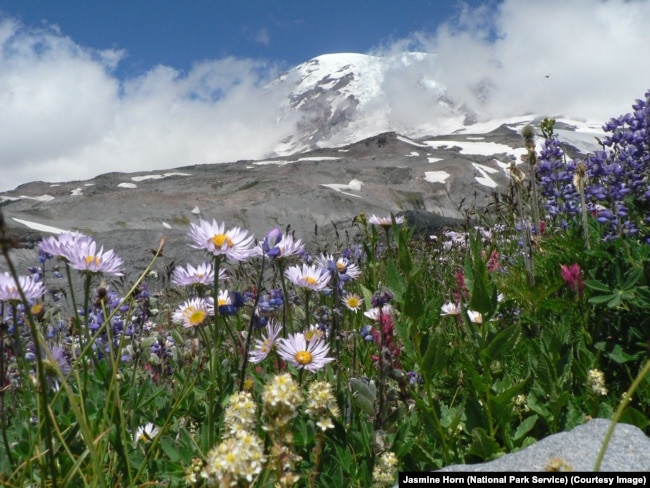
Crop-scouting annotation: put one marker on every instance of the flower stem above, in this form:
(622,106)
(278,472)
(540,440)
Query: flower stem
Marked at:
(249,335)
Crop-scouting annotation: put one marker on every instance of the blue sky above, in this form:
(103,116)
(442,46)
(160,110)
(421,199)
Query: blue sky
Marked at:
(88,87)
(181,33)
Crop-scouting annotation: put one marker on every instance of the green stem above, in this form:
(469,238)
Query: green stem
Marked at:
(285,298)
(249,335)
(214,351)
(380,364)
(306,324)
(619,411)
(40,372)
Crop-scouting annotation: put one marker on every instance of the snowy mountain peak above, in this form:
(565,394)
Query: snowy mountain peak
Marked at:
(345,97)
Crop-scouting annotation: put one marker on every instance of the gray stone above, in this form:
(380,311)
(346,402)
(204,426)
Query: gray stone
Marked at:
(628,450)
(319,194)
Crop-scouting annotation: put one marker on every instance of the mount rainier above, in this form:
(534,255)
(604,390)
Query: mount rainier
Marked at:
(355,148)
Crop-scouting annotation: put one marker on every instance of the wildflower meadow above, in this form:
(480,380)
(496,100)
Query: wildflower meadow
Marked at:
(265,363)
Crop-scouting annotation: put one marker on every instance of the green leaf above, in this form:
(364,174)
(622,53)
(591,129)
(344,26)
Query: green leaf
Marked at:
(404,256)
(483,445)
(633,278)
(615,301)
(363,388)
(597,285)
(435,358)
(395,281)
(502,342)
(171,449)
(525,427)
(632,416)
(413,300)
(602,298)
(615,352)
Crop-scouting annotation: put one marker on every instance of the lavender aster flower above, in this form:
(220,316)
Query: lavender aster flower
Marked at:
(85,257)
(235,243)
(64,244)
(9,289)
(277,245)
(203,274)
(385,221)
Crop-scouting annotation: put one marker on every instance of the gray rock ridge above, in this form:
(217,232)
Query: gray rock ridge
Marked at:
(323,189)
(576,450)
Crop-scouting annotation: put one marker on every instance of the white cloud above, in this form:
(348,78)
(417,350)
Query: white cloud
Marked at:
(594,52)
(65,115)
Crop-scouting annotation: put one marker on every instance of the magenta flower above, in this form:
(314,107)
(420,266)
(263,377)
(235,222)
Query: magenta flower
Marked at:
(572,276)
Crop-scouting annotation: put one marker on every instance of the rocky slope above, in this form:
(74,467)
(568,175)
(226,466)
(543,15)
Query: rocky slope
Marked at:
(433,180)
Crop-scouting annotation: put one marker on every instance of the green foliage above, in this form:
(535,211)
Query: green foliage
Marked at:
(472,360)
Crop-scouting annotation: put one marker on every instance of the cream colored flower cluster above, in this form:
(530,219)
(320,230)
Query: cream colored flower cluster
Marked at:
(240,457)
(237,459)
(321,404)
(282,398)
(240,414)
(596,380)
(385,470)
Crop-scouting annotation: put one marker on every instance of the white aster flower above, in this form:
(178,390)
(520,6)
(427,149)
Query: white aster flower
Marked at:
(450,308)
(376,312)
(235,243)
(310,277)
(475,317)
(193,312)
(265,345)
(145,433)
(303,354)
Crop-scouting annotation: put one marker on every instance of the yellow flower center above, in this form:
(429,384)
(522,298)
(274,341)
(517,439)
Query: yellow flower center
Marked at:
(303,357)
(340,266)
(311,281)
(197,317)
(92,259)
(220,239)
(353,302)
(37,308)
